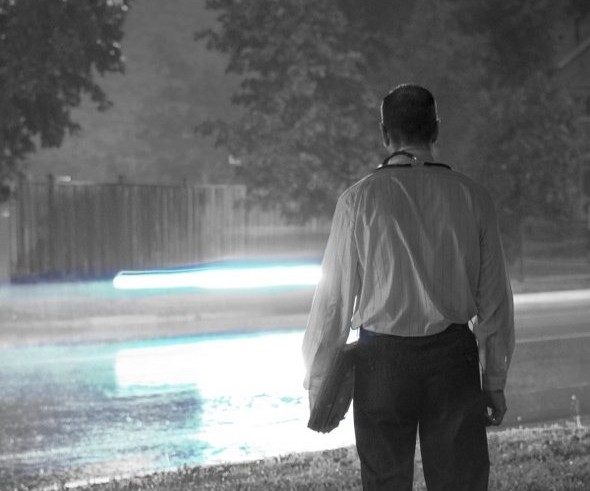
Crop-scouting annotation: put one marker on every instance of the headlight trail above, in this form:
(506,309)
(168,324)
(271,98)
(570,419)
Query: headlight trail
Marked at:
(218,276)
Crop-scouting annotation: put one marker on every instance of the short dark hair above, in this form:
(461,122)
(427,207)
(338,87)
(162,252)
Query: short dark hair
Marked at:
(408,114)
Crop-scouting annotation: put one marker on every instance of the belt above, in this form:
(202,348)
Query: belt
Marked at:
(364,334)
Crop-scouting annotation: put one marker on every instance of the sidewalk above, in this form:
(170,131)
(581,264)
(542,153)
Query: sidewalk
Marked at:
(556,282)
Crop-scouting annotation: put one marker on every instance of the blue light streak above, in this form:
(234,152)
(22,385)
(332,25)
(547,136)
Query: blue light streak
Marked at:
(224,275)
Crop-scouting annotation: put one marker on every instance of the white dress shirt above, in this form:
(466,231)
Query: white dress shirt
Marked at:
(411,250)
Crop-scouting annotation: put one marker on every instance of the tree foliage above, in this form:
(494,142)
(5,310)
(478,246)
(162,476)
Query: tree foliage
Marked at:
(516,34)
(529,155)
(528,146)
(308,129)
(314,73)
(50,54)
(164,125)
(313,77)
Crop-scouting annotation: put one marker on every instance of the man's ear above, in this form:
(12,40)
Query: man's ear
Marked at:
(386,139)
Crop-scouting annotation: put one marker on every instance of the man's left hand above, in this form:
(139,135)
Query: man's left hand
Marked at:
(495,406)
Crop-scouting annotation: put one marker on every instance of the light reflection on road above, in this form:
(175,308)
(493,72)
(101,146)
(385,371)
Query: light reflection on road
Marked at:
(145,406)
(249,388)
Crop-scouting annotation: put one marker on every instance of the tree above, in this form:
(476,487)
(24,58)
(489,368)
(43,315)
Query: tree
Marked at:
(529,155)
(165,123)
(309,125)
(529,147)
(516,37)
(50,54)
(313,75)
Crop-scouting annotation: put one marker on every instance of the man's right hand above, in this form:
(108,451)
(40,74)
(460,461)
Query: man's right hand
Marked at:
(495,406)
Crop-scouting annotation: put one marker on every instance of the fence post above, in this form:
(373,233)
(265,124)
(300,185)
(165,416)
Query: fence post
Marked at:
(49,265)
(17,239)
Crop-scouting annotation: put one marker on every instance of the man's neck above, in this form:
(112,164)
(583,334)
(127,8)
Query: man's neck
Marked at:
(421,152)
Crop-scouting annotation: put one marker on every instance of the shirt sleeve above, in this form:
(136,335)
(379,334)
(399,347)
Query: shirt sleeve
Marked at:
(329,320)
(494,329)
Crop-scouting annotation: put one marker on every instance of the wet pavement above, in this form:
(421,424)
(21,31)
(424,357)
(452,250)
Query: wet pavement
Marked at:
(116,409)
(103,409)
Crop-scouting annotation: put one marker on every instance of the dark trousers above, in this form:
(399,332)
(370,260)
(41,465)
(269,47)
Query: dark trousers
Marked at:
(429,385)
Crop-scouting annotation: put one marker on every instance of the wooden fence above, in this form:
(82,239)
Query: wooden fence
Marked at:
(82,230)
(5,246)
(74,230)
(267,233)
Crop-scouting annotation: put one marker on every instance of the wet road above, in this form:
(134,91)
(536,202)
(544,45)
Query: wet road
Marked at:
(552,314)
(100,410)
(115,409)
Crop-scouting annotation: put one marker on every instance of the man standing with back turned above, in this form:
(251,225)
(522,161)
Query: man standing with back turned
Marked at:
(414,254)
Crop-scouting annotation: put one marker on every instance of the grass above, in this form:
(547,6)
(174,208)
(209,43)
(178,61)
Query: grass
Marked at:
(547,458)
